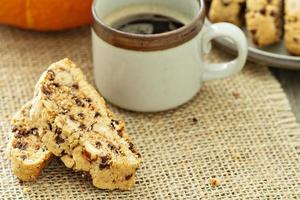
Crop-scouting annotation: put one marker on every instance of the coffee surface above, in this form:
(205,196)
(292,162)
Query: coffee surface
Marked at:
(147,24)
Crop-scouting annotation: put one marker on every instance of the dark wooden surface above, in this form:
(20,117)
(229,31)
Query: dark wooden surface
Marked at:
(290,81)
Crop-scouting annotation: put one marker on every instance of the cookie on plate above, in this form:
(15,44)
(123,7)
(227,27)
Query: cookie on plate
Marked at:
(226,11)
(81,130)
(26,151)
(264,21)
(292,26)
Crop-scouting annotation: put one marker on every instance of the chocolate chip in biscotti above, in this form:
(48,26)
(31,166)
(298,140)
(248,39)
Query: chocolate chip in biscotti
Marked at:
(49,126)
(22,133)
(128,177)
(21,145)
(78,102)
(37,147)
(71,117)
(34,131)
(46,90)
(225,3)
(120,133)
(51,74)
(59,139)
(131,147)
(113,148)
(64,111)
(105,159)
(97,114)
(263,11)
(87,155)
(63,153)
(104,165)
(87,99)
(58,131)
(114,123)
(82,126)
(57,85)
(81,115)
(98,144)
(273,13)
(75,86)
(23,157)
(105,162)
(253,31)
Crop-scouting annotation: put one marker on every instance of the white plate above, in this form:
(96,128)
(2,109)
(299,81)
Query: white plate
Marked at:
(274,56)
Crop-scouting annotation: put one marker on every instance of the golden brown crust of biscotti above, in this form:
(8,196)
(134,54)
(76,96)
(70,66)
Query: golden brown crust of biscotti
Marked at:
(263,19)
(82,130)
(26,152)
(226,11)
(292,26)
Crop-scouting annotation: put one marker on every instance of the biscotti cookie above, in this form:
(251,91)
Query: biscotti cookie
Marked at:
(226,11)
(81,129)
(263,19)
(26,151)
(292,26)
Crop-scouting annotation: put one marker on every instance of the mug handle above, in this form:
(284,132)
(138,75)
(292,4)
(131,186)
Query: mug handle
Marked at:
(222,70)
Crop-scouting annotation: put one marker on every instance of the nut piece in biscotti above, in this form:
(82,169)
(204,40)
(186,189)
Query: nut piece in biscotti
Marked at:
(264,23)
(292,26)
(26,151)
(227,11)
(82,131)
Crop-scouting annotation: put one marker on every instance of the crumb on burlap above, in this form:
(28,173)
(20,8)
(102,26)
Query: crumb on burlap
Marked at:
(236,94)
(195,120)
(214,182)
(237,156)
(26,190)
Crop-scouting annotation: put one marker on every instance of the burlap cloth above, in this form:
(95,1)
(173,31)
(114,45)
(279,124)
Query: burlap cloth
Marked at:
(239,132)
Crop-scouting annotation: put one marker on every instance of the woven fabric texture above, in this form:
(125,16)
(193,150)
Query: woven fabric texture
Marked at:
(237,139)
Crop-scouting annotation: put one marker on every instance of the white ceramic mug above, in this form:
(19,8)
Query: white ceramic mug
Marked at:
(160,71)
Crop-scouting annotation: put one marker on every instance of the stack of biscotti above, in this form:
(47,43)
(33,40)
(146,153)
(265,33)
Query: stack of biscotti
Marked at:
(292,26)
(75,125)
(265,20)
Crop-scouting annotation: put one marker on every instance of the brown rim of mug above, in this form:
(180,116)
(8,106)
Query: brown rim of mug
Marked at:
(149,42)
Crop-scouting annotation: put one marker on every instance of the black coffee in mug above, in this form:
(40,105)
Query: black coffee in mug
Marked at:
(147,24)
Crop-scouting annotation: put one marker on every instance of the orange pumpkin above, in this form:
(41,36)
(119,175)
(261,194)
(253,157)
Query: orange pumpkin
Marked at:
(45,15)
